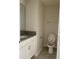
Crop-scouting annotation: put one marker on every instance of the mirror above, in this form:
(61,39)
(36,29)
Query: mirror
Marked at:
(22,17)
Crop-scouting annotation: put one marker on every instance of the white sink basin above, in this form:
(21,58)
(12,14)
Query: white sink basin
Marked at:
(23,37)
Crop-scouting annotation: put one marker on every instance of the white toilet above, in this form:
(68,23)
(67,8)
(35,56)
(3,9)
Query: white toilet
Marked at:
(51,43)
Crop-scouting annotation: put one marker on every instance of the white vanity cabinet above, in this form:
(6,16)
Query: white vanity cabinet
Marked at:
(27,48)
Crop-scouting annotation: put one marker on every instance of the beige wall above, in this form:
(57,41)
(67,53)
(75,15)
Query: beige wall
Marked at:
(50,22)
(34,20)
(31,15)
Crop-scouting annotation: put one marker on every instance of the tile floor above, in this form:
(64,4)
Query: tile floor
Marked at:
(44,54)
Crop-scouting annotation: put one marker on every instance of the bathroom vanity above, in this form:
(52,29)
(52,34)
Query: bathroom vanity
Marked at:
(27,45)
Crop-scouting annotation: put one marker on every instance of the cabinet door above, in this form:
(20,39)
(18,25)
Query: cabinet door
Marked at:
(30,49)
(23,53)
(27,52)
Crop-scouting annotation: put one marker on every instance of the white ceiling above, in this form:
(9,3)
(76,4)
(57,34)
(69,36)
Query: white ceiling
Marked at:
(50,2)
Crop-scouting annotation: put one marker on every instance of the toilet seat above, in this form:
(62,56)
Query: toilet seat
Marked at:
(51,44)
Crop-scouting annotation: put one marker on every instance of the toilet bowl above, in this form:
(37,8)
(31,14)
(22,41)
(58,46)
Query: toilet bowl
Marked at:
(51,44)
(50,50)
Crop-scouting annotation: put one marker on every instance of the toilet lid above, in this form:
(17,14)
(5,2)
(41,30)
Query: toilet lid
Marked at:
(51,38)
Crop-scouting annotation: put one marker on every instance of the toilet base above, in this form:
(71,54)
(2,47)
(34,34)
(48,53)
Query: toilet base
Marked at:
(50,50)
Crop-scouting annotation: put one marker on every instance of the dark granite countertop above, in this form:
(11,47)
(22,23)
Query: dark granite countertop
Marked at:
(29,34)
